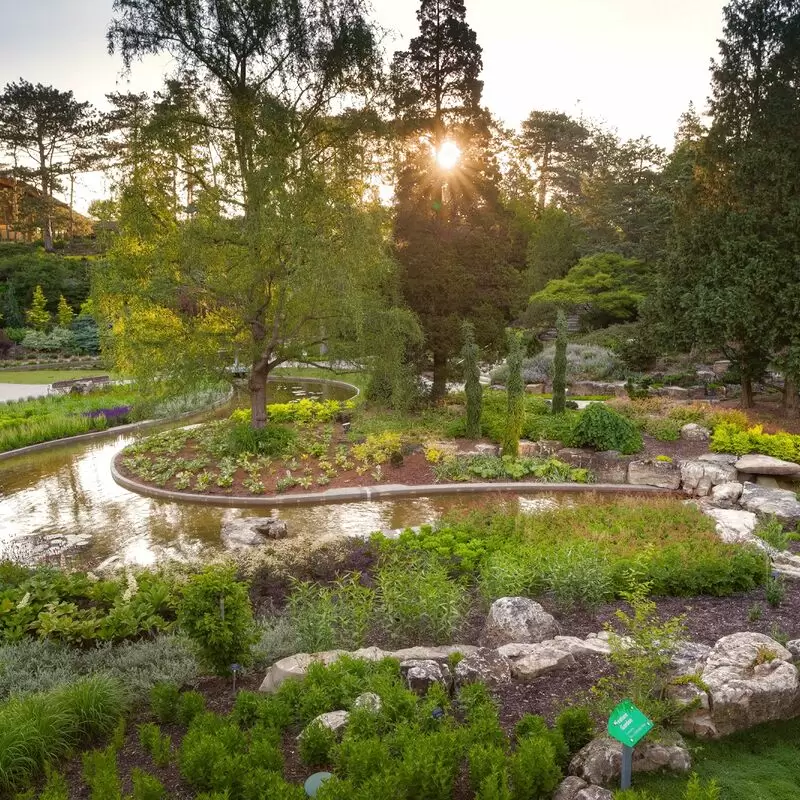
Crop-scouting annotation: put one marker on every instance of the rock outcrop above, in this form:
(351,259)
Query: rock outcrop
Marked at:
(517,619)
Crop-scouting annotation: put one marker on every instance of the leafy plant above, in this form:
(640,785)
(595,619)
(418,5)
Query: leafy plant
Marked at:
(515,392)
(604,429)
(164,702)
(316,743)
(156,744)
(770,530)
(216,614)
(101,775)
(576,726)
(146,787)
(775,590)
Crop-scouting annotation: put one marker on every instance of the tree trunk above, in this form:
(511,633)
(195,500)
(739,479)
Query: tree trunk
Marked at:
(747,392)
(789,396)
(439,388)
(258,397)
(543,169)
(47,222)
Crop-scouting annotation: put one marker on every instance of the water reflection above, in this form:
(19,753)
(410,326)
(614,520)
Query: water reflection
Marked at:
(69,491)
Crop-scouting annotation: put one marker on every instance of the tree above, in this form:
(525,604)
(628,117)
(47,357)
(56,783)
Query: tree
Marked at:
(553,247)
(560,366)
(65,314)
(561,151)
(515,390)
(452,237)
(37,315)
(472,382)
(730,275)
(610,286)
(42,126)
(281,255)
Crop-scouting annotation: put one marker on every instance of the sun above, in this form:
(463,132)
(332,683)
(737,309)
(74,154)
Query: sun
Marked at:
(448,154)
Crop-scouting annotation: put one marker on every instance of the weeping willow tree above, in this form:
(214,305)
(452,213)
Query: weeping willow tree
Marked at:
(280,256)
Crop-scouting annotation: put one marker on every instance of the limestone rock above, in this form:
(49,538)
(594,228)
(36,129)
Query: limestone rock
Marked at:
(794,648)
(252,531)
(335,721)
(594,793)
(780,502)
(726,495)
(369,701)
(421,675)
(664,474)
(544,447)
(534,388)
(698,476)
(719,368)
(733,526)
(569,788)
(580,647)
(600,761)
(677,392)
(531,661)
(719,458)
(517,619)
(692,432)
(750,680)
(755,464)
(689,658)
(484,666)
(289,668)
(440,653)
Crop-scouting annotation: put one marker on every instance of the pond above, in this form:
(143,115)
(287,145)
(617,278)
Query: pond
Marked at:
(69,492)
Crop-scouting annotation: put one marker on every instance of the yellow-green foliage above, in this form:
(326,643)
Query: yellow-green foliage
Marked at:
(303,412)
(378,448)
(37,315)
(730,438)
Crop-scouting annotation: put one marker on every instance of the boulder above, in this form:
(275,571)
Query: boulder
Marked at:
(763,502)
(581,647)
(532,660)
(534,388)
(766,481)
(689,658)
(252,531)
(676,392)
(664,474)
(335,721)
(751,680)
(289,668)
(546,447)
(600,761)
(484,666)
(594,793)
(569,788)
(692,432)
(439,653)
(421,675)
(369,701)
(733,526)
(699,476)
(719,368)
(726,495)
(794,648)
(609,466)
(517,619)
(596,388)
(755,464)
(719,458)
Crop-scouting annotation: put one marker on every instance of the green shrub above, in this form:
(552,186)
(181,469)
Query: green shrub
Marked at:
(533,769)
(604,429)
(576,727)
(665,430)
(579,575)
(515,392)
(430,763)
(419,602)
(730,437)
(164,702)
(770,529)
(101,775)
(190,704)
(215,613)
(484,762)
(359,759)
(472,384)
(272,441)
(775,590)
(560,365)
(532,725)
(146,787)
(316,743)
(157,745)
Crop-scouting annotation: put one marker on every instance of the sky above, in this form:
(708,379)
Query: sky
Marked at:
(632,64)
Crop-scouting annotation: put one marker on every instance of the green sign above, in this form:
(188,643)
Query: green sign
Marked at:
(627,724)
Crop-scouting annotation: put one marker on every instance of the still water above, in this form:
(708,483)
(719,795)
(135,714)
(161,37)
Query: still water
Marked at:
(69,491)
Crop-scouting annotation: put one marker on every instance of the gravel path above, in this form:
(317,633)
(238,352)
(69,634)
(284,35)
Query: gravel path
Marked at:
(19,391)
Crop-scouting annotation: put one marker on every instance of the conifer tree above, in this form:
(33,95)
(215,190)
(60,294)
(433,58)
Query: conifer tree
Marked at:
(65,314)
(515,389)
(37,315)
(472,381)
(560,365)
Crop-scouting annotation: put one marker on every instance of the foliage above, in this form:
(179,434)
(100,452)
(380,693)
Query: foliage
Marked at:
(515,392)
(39,729)
(576,726)
(316,743)
(604,429)
(157,745)
(164,702)
(731,438)
(560,366)
(584,363)
(37,315)
(73,608)
(533,769)
(611,285)
(59,339)
(775,590)
(463,468)
(306,411)
(641,655)
(273,441)
(146,787)
(472,384)
(215,613)
(770,530)
(64,313)
(378,448)
(101,774)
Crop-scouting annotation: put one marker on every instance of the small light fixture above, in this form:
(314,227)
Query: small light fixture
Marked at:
(314,781)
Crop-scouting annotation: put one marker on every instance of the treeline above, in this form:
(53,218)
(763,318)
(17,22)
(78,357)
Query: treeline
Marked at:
(292,195)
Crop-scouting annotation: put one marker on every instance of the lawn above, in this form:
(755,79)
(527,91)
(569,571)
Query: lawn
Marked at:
(47,376)
(760,764)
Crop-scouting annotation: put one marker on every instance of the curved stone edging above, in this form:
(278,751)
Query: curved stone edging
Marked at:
(367,493)
(108,432)
(309,379)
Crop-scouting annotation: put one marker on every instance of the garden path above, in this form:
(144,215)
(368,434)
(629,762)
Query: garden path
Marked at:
(20,391)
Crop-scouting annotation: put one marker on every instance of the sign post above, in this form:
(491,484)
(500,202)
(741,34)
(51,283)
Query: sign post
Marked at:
(628,726)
